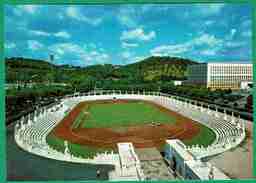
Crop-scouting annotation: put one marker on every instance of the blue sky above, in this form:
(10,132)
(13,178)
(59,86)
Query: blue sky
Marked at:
(122,34)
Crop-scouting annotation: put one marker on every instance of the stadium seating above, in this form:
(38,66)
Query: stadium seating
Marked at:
(230,131)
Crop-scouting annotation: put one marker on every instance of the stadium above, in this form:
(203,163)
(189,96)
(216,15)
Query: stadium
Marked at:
(112,127)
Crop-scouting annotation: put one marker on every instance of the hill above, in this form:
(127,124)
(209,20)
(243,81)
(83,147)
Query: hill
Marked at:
(159,68)
(149,69)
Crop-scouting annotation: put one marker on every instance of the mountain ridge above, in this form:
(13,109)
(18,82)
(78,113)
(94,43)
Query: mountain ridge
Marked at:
(149,69)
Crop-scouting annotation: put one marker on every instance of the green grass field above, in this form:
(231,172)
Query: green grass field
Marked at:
(75,149)
(104,115)
(205,137)
(98,115)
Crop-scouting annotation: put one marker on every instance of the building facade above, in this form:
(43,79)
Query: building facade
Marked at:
(220,75)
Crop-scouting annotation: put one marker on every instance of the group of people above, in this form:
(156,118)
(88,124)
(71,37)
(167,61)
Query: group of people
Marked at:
(155,123)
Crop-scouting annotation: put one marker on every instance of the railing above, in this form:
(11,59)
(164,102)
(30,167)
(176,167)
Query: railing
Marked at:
(179,104)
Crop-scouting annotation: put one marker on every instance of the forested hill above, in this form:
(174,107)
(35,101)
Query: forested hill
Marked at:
(159,68)
(149,69)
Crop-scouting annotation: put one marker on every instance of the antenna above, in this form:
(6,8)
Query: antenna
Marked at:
(51,58)
(52,62)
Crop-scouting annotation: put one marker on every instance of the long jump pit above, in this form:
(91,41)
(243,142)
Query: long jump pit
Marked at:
(141,135)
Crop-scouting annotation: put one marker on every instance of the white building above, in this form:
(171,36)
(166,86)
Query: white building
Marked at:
(177,83)
(186,166)
(220,75)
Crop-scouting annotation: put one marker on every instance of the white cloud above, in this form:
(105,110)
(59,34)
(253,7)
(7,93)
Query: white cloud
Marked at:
(247,23)
(129,45)
(125,16)
(233,44)
(74,13)
(9,45)
(80,53)
(209,9)
(232,32)
(92,45)
(62,48)
(129,57)
(205,40)
(102,49)
(60,16)
(210,52)
(34,45)
(204,45)
(137,34)
(31,9)
(246,28)
(62,34)
(60,51)
(133,59)
(197,13)
(247,33)
(154,7)
(165,50)
(209,22)
(126,55)
(126,20)
(139,58)
(39,33)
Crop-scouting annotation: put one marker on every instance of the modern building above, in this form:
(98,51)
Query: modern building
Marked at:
(177,83)
(221,75)
(186,166)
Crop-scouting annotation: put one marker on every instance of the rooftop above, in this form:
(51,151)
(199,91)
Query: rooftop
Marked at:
(225,62)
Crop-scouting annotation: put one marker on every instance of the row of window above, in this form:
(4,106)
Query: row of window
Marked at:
(232,78)
(224,85)
(232,69)
(231,72)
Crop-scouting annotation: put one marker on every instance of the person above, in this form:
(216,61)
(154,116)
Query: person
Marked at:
(98,173)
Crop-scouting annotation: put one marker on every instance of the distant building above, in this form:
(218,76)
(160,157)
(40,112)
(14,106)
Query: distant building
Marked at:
(246,85)
(177,83)
(221,75)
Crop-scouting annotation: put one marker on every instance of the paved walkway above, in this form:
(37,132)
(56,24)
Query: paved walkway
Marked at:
(156,170)
(153,165)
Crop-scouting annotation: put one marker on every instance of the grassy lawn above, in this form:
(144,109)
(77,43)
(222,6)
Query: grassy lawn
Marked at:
(75,149)
(122,114)
(205,137)
(80,118)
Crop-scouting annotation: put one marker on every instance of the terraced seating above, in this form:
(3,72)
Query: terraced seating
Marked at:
(226,131)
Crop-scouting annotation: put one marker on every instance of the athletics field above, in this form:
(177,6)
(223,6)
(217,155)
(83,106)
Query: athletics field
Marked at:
(98,126)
